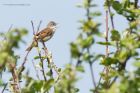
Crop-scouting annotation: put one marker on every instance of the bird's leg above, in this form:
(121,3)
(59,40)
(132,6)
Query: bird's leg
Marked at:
(45,48)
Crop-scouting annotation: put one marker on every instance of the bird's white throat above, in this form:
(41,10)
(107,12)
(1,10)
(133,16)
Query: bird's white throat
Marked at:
(53,28)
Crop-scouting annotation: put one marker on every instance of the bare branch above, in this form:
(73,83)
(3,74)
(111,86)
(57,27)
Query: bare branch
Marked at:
(39,26)
(33,27)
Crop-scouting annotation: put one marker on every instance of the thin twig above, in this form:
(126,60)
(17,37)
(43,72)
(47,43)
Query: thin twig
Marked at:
(36,71)
(88,10)
(113,81)
(40,57)
(33,27)
(25,58)
(106,38)
(16,87)
(92,75)
(39,26)
(42,65)
(111,16)
(122,67)
(100,79)
(90,62)
(4,88)
(5,38)
(46,54)
(112,23)
(10,27)
(107,49)
(91,70)
(79,61)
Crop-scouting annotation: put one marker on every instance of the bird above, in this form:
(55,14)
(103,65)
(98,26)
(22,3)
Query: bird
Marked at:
(44,35)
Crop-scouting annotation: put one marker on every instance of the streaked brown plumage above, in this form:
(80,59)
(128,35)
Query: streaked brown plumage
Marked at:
(44,35)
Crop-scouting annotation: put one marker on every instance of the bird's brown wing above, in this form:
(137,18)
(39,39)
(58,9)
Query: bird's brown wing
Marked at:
(44,33)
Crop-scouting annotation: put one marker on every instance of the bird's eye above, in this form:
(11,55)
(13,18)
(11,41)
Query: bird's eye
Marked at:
(53,24)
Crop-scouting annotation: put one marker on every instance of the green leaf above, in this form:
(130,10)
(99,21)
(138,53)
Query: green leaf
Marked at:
(74,50)
(37,85)
(85,4)
(49,84)
(40,64)
(86,57)
(59,70)
(122,55)
(104,43)
(89,26)
(48,73)
(117,6)
(76,89)
(36,57)
(1,82)
(137,58)
(134,24)
(108,61)
(115,36)
(137,64)
(85,43)
(94,14)
(80,69)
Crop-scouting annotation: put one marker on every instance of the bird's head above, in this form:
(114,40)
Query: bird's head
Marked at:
(52,25)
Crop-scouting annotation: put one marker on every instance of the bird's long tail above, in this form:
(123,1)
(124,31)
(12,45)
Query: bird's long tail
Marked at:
(30,47)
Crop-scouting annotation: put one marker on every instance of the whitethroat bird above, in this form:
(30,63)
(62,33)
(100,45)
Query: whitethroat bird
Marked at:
(44,35)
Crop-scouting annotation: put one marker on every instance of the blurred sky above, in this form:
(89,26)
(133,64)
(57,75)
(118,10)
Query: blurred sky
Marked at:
(63,12)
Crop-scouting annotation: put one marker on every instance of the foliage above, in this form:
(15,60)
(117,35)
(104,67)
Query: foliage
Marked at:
(120,47)
(9,41)
(123,47)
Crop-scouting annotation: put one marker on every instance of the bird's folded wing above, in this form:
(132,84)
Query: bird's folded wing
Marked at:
(44,33)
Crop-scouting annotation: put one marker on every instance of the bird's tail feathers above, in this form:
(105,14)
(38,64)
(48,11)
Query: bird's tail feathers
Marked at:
(30,47)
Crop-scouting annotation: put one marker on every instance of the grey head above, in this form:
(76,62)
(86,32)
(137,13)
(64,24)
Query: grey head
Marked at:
(51,24)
